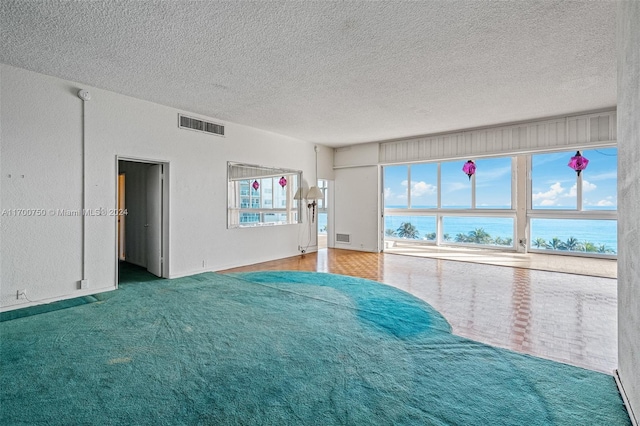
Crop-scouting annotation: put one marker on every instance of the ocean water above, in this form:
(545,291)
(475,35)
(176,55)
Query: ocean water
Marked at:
(597,232)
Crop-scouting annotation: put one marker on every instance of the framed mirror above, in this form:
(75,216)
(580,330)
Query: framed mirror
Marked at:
(262,196)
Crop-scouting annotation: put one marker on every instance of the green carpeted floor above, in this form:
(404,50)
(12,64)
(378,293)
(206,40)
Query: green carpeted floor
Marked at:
(277,348)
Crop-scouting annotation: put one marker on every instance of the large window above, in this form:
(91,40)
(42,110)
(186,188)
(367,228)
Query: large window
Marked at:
(555,186)
(439,203)
(260,195)
(571,212)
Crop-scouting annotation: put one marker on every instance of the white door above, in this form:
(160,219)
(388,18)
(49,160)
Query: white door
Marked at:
(154,219)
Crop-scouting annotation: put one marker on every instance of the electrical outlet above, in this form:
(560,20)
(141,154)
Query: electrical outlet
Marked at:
(21,294)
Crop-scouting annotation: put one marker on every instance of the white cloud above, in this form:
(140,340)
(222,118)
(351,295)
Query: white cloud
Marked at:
(422,188)
(549,197)
(605,202)
(586,187)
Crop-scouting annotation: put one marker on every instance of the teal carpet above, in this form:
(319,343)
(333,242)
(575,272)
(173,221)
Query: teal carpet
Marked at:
(278,348)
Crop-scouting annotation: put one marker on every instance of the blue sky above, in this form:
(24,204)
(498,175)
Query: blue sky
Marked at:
(553,182)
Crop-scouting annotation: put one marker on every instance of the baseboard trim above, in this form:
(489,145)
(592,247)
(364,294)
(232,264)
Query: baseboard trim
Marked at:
(634,420)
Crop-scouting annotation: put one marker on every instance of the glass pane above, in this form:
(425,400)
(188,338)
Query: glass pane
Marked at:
(410,227)
(322,223)
(395,186)
(274,217)
(249,217)
(456,186)
(254,194)
(424,186)
(493,183)
(495,231)
(280,193)
(322,186)
(599,179)
(266,186)
(553,182)
(592,236)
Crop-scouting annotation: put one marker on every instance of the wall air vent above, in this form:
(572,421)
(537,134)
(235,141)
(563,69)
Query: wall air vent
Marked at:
(191,123)
(343,238)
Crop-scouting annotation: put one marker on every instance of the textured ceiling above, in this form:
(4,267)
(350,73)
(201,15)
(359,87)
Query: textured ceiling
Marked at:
(335,73)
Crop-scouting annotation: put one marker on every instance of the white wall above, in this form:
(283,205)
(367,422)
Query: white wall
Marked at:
(41,132)
(357,202)
(628,40)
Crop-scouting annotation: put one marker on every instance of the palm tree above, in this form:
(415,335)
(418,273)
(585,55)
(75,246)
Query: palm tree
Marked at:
(571,244)
(408,230)
(430,236)
(390,233)
(589,247)
(508,241)
(603,249)
(540,243)
(462,238)
(446,237)
(479,236)
(555,243)
(499,241)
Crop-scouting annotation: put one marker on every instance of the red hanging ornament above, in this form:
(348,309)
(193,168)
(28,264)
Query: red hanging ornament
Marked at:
(255,185)
(283,181)
(469,168)
(578,163)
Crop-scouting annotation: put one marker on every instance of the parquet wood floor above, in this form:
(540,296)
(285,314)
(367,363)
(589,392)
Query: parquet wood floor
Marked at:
(564,317)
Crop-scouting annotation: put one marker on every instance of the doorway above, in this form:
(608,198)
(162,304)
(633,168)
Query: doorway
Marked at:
(141,229)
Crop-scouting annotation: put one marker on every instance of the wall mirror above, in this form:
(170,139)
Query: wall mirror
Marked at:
(262,196)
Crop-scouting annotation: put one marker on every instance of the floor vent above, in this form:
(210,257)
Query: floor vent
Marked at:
(343,238)
(191,123)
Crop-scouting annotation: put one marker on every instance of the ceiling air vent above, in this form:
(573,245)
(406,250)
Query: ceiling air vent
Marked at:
(191,123)
(343,238)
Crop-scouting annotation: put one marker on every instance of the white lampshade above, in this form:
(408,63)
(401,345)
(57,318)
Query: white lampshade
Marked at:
(314,193)
(299,195)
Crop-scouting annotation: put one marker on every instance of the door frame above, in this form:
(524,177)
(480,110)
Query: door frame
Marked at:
(165,211)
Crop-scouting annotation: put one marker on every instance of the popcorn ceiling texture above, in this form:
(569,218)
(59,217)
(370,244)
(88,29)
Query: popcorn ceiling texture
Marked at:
(330,72)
